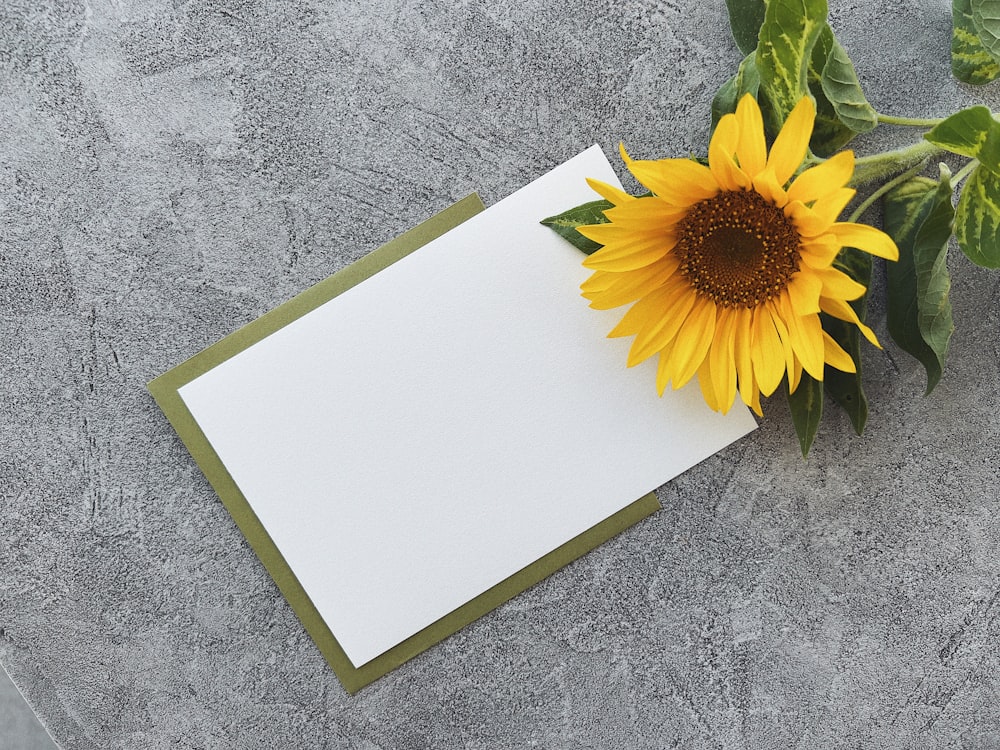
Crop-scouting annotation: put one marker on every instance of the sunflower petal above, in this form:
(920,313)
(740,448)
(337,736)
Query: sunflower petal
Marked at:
(646,213)
(597,282)
(768,186)
(751,149)
(691,346)
(819,252)
(662,373)
(804,289)
(835,356)
(741,354)
(833,205)
(824,179)
(722,360)
(720,155)
(840,309)
(754,402)
(623,288)
(792,143)
(707,384)
(864,237)
(681,182)
(625,250)
(805,336)
(794,376)
(838,284)
(643,313)
(783,335)
(656,335)
(815,220)
(766,352)
(610,193)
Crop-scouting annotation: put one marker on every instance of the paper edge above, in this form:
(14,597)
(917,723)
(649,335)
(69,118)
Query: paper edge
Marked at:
(164,390)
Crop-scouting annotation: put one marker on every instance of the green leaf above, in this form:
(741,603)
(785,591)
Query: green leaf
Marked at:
(918,216)
(565,224)
(845,387)
(829,134)
(843,89)
(986,21)
(746,81)
(806,406)
(971,62)
(977,220)
(972,132)
(786,41)
(745,18)
(842,111)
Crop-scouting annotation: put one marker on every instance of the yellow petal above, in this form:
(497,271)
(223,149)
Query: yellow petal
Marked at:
(781,327)
(805,336)
(742,346)
(707,385)
(767,353)
(833,205)
(823,180)
(657,334)
(819,252)
(691,346)
(643,313)
(835,356)
(789,148)
(866,238)
(720,155)
(681,182)
(610,192)
(794,376)
(840,309)
(623,288)
(815,220)
(751,148)
(838,284)
(662,373)
(646,213)
(625,250)
(767,185)
(721,359)
(598,282)
(754,402)
(803,291)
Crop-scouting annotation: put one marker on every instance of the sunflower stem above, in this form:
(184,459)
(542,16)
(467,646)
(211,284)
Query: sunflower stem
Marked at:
(880,166)
(870,200)
(964,172)
(910,122)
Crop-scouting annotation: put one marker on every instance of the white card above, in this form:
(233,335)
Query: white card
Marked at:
(443,424)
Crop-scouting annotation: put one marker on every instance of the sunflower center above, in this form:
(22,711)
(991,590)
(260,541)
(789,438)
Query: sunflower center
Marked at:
(737,248)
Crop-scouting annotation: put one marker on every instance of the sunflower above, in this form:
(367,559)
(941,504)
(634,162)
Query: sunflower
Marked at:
(728,266)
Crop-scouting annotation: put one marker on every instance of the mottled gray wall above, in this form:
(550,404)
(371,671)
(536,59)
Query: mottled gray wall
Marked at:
(170,171)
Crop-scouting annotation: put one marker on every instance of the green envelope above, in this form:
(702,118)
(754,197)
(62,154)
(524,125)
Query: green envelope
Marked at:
(165,390)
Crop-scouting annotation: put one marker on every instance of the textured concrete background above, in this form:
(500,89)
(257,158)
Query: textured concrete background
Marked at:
(19,727)
(170,171)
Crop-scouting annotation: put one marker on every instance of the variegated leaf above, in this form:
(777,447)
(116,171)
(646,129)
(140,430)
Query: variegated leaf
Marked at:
(977,218)
(971,62)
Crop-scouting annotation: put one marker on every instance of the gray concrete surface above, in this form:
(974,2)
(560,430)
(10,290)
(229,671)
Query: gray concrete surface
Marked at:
(170,171)
(19,727)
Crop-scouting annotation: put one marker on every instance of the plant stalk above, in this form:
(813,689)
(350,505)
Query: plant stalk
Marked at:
(910,122)
(867,202)
(880,166)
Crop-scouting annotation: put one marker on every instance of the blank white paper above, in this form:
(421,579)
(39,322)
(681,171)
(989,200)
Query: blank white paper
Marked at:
(440,426)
